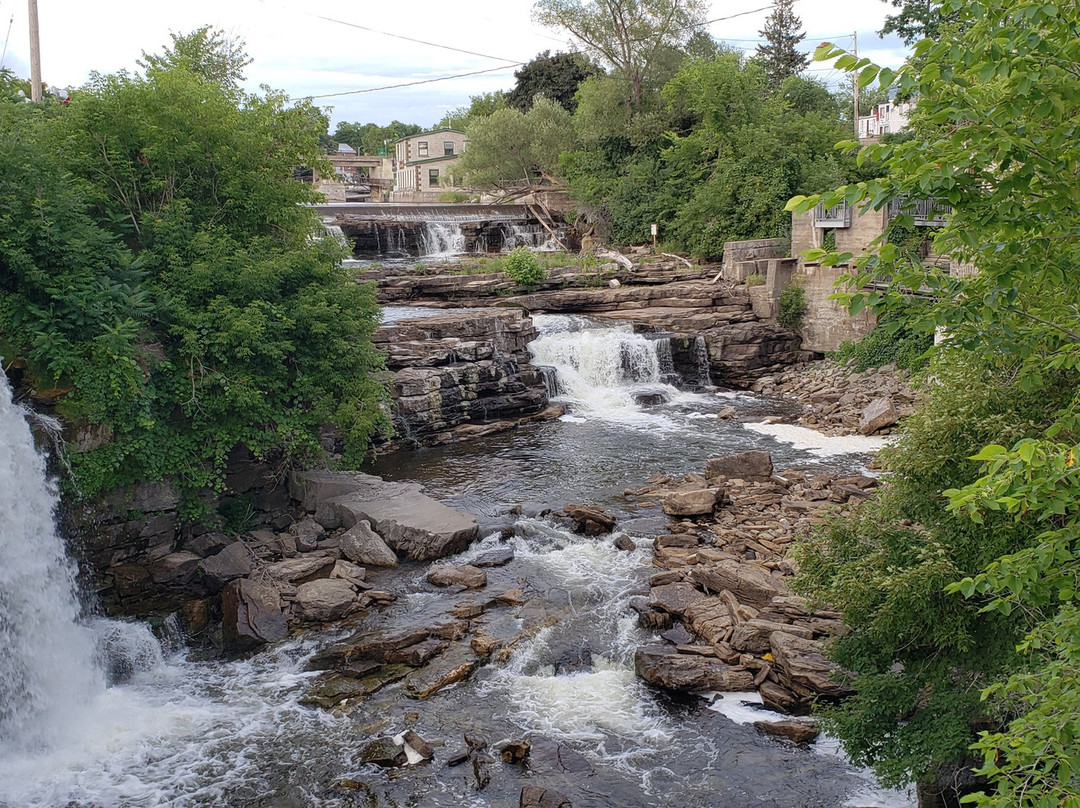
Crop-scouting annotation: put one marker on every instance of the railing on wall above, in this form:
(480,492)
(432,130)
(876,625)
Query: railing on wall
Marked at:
(924,212)
(837,216)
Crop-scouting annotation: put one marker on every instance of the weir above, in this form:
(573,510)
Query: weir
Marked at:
(440,230)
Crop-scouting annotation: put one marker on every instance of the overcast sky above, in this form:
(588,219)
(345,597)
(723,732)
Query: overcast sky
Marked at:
(323,49)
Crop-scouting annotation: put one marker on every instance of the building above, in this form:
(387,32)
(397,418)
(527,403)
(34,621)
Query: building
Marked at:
(421,164)
(886,117)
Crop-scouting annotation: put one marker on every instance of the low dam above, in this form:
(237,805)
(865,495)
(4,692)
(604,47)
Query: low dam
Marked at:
(399,230)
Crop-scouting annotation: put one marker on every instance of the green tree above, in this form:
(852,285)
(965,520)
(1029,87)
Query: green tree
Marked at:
(918,19)
(162,273)
(207,52)
(556,77)
(510,150)
(631,36)
(479,106)
(779,52)
(993,139)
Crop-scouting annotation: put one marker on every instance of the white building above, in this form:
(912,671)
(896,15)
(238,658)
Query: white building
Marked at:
(886,117)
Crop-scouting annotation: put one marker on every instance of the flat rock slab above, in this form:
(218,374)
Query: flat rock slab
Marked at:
(464,575)
(754,465)
(662,666)
(674,598)
(408,520)
(690,503)
(748,582)
(454,665)
(804,670)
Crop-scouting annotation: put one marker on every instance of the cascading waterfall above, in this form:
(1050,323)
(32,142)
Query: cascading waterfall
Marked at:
(442,238)
(54,661)
(602,369)
(47,668)
(533,236)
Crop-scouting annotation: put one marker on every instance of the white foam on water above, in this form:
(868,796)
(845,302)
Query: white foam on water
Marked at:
(818,443)
(744,708)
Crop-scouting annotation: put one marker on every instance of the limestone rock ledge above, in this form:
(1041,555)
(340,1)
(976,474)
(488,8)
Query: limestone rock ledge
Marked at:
(456,372)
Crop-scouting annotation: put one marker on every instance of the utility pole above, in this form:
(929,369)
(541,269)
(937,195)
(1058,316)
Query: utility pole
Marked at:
(854,78)
(35,54)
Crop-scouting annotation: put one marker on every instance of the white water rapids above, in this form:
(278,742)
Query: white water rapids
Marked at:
(93,716)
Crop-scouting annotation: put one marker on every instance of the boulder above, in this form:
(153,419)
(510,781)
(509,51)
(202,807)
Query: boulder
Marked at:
(235,561)
(325,599)
(878,414)
(674,598)
(384,752)
(208,544)
(466,575)
(250,615)
(302,569)
(690,503)
(537,797)
(499,557)
(795,731)
(748,582)
(755,465)
(662,666)
(801,668)
(363,545)
(753,636)
(589,520)
(709,618)
(176,569)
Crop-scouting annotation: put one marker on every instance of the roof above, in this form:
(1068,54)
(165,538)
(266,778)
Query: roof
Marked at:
(429,132)
(345,148)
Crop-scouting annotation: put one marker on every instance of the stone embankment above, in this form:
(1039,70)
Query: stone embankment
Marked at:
(841,400)
(462,375)
(720,601)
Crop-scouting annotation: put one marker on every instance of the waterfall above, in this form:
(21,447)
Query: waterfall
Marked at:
(604,369)
(47,667)
(53,663)
(441,239)
(533,236)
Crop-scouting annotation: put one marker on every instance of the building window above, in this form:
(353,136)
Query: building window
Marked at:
(421,148)
(448,147)
(433,177)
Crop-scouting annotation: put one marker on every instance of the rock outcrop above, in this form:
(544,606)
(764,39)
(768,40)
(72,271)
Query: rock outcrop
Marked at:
(462,374)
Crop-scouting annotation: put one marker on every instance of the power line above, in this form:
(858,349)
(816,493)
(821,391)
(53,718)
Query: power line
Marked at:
(410,39)
(413,83)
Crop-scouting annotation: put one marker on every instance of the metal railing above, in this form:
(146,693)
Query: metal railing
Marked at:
(838,216)
(925,212)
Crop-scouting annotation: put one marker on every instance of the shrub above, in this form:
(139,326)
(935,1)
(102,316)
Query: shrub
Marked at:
(524,267)
(754,279)
(793,307)
(894,340)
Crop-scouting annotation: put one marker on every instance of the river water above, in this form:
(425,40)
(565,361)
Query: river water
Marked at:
(170,731)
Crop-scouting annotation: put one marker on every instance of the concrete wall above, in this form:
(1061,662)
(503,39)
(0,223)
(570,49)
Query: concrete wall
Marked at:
(741,257)
(827,324)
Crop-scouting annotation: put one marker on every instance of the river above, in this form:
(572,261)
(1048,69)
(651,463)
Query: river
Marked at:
(169,730)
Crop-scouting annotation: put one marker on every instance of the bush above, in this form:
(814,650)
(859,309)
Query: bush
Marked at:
(524,267)
(754,279)
(453,197)
(894,340)
(793,307)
